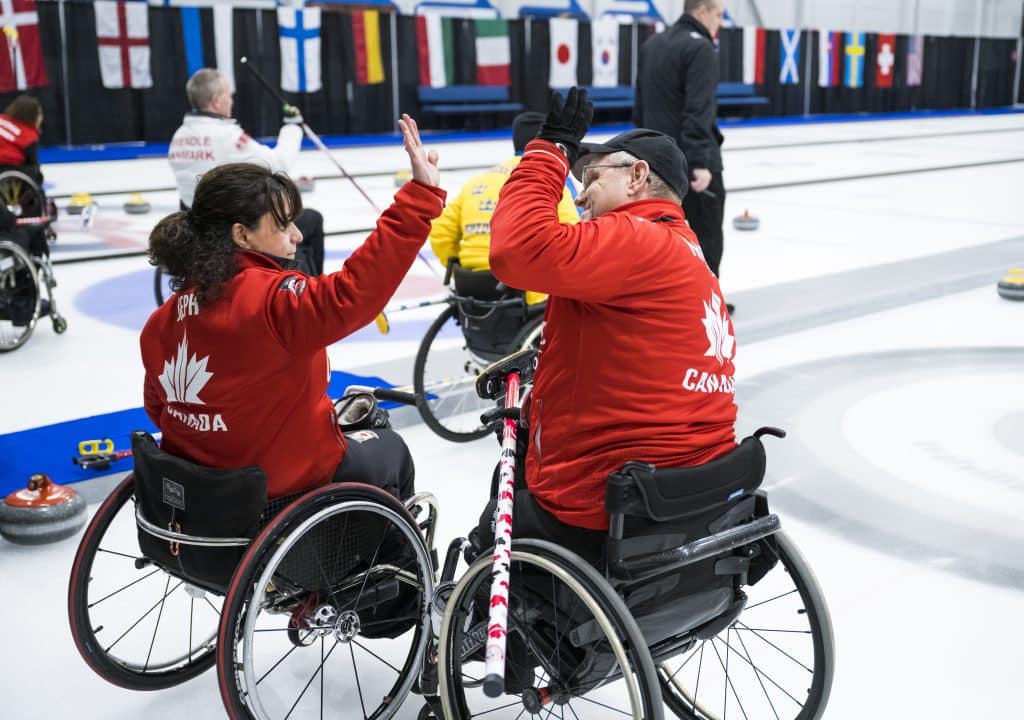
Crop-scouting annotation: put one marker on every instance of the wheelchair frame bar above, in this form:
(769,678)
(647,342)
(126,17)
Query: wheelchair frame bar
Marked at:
(182,539)
(643,567)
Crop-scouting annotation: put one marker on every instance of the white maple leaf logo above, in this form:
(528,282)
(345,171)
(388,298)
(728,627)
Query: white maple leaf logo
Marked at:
(183,376)
(716,324)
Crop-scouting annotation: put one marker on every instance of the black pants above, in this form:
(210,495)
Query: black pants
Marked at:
(310,253)
(381,458)
(530,520)
(705,214)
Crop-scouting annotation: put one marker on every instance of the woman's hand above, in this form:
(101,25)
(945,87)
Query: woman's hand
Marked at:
(423,161)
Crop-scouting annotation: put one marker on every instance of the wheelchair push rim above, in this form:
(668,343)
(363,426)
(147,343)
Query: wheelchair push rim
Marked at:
(775,660)
(621,681)
(137,626)
(17,272)
(444,380)
(295,653)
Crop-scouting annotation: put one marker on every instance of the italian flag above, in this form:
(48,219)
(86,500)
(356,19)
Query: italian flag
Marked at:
(493,54)
(436,45)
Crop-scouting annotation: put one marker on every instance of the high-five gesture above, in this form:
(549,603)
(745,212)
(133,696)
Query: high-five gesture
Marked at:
(423,161)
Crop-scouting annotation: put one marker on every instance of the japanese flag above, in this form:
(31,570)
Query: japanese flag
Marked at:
(564,52)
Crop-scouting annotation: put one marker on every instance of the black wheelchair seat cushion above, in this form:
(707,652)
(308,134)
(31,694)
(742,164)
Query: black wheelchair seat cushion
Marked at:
(199,501)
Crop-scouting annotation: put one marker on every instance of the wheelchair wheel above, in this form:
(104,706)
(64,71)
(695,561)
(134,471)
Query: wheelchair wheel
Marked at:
(444,380)
(135,625)
(19,296)
(774,661)
(573,649)
(22,195)
(530,336)
(327,610)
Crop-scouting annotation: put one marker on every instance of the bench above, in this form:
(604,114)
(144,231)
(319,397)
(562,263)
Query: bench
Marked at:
(737,94)
(455,99)
(614,98)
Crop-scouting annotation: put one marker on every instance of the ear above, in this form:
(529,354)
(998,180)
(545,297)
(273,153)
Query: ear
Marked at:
(239,237)
(638,175)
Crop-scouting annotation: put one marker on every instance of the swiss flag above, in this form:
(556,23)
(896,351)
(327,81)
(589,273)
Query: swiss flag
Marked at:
(21,65)
(885,61)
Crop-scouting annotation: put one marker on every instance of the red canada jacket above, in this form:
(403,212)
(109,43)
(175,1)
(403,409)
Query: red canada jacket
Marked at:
(637,357)
(16,139)
(243,380)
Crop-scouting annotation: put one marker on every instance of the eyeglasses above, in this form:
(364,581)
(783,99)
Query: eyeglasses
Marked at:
(589,177)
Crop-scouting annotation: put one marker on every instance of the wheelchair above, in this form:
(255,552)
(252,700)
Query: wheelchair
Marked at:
(483,321)
(307,602)
(699,604)
(25,268)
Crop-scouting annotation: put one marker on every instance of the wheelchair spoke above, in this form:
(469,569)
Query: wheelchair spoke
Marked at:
(371,652)
(601,704)
(767,677)
(122,589)
(741,626)
(309,682)
(759,680)
(212,606)
(748,608)
(274,666)
(359,685)
(133,558)
(728,680)
(156,627)
(144,616)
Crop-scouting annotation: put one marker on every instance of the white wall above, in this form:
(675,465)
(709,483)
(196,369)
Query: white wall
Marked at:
(992,18)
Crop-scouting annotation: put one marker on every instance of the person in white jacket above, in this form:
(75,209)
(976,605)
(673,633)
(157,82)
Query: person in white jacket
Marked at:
(209,136)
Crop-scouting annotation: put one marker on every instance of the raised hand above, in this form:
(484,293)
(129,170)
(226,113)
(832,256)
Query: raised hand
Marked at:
(423,161)
(567,123)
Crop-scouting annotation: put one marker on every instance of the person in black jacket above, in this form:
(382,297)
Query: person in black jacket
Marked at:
(676,95)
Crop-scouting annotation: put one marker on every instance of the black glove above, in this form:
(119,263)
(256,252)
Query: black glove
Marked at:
(567,124)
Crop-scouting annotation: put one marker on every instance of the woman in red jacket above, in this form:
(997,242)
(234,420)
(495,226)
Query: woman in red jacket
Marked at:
(235,360)
(19,136)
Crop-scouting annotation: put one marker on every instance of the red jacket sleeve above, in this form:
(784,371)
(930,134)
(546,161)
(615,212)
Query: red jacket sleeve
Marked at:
(313,312)
(153,399)
(531,248)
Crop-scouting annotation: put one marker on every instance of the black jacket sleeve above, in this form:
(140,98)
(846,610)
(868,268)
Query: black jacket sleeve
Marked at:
(697,138)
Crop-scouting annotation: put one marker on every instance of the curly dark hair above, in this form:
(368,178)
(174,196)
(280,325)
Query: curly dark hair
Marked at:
(196,247)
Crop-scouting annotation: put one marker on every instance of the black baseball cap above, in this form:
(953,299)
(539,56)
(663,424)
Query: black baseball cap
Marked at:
(658,150)
(525,127)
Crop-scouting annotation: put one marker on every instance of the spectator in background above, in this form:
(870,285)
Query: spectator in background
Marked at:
(20,125)
(676,93)
(209,137)
(464,228)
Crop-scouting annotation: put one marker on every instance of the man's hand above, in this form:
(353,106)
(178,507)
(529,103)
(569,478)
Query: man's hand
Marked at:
(567,124)
(292,116)
(423,161)
(701,179)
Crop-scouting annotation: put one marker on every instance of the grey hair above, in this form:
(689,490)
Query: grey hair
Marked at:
(656,187)
(203,87)
(691,6)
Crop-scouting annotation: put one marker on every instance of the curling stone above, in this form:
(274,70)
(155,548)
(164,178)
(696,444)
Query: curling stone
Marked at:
(136,204)
(746,221)
(305,183)
(1011,287)
(402,177)
(41,513)
(79,202)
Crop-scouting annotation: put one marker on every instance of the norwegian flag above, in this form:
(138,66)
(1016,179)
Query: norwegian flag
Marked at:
(21,66)
(122,38)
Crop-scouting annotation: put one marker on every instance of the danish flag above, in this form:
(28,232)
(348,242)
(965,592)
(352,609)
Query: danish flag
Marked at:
(21,66)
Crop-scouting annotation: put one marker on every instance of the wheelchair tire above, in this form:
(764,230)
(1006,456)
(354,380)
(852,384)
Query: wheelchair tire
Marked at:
(530,336)
(444,381)
(118,599)
(22,195)
(306,576)
(20,296)
(782,647)
(621,678)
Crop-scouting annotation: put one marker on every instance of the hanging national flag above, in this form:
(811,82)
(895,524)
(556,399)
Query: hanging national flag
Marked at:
(915,59)
(854,60)
(753,56)
(21,66)
(493,54)
(299,30)
(436,45)
(366,42)
(789,58)
(604,40)
(830,58)
(564,52)
(221,36)
(122,38)
(885,61)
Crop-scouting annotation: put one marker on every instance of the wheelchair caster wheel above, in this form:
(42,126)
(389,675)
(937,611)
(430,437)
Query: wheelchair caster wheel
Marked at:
(59,324)
(426,713)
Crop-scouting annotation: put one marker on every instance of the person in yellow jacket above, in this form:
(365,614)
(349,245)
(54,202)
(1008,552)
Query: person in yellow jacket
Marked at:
(464,228)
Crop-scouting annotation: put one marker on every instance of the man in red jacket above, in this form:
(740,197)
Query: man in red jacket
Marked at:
(637,357)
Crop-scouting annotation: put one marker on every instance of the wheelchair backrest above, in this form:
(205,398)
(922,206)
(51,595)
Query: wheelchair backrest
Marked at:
(481,285)
(181,496)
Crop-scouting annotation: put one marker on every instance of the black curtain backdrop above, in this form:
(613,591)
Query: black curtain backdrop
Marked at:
(997,63)
(730,55)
